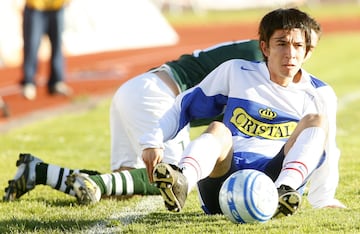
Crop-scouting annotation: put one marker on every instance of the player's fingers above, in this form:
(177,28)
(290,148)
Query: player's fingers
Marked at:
(151,157)
(151,170)
(150,174)
(147,163)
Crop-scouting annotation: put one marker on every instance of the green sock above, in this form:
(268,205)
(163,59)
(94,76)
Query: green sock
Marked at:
(127,182)
(142,184)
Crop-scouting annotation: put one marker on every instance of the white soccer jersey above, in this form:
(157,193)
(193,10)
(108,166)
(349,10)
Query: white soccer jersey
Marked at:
(260,113)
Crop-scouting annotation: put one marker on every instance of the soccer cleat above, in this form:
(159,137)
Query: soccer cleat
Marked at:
(24,179)
(289,201)
(86,190)
(172,184)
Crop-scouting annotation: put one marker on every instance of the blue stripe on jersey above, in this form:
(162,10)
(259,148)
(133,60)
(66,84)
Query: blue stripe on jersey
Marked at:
(196,105)
(316,82)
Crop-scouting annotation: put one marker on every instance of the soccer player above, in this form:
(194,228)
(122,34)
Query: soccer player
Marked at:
(139,103)
(278,119)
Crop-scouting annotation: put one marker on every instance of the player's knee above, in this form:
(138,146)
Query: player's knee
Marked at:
(219,130)
(222,134)
(315,120)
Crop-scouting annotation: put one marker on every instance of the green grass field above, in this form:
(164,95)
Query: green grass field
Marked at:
(82,140)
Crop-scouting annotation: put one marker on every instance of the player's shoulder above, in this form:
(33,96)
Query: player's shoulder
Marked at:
(315,81)
(321,86)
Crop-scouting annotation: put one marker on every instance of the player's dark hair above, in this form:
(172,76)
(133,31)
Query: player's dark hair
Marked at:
(314,25)
(285,19)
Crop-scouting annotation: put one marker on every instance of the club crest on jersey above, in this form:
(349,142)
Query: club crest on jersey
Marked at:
(267,114)
(250,126)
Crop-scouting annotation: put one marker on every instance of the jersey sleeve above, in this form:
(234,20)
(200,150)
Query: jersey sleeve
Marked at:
(205,100)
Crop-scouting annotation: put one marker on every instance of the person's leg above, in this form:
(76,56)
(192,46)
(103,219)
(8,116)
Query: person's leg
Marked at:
(208,155)
(209,201)
(55,28)
(33,30)
(303,151)
(126,182)
(33,171)
(136,108)
(90,189)
(123,148)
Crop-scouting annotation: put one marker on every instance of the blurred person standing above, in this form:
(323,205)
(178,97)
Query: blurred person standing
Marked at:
(43,17)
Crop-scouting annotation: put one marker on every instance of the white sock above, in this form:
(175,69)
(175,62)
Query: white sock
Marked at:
(200,158)
(302,158)
(115,181)
(56,177)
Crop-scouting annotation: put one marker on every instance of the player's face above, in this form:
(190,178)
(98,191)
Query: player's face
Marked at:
(285,54)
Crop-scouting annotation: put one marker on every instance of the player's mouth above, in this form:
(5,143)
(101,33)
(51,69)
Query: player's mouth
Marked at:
(289,66)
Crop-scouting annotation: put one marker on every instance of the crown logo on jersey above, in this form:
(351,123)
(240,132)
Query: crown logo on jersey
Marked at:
(267,114)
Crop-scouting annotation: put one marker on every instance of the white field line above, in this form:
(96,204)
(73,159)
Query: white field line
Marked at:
(127,215)
(348,99)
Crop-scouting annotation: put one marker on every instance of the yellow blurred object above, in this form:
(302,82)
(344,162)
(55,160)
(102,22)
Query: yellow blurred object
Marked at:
(46,5)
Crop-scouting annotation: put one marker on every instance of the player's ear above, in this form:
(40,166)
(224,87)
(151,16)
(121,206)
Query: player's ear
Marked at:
(264,48)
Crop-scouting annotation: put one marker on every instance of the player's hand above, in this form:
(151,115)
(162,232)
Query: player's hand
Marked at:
(151,157)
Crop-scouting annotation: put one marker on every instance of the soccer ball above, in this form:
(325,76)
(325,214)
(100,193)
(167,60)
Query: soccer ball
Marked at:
(248,196)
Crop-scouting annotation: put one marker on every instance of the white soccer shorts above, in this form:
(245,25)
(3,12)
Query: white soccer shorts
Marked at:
(136,108)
